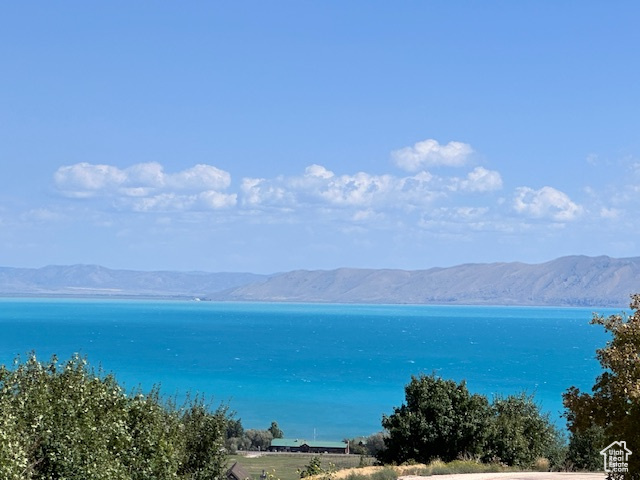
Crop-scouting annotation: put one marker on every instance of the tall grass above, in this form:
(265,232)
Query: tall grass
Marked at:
(437,467)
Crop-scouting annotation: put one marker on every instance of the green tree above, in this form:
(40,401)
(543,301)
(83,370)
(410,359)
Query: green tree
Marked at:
(315,469)
(584,448)
(204,436)
(614,405)
(257,439)
(440,419)
(519,432)
(64,420)
(375,444)
(275,430)
(234,435)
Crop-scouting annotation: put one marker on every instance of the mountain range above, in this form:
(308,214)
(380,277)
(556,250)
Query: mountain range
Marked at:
(566,281)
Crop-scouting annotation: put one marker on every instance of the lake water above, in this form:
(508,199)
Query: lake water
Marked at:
(329,369)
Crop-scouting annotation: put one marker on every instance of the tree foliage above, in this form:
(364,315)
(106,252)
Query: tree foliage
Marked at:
(64,420)
(442,420)
(275,431)
(315,469)
(519,432)
(371,445)
(612,411)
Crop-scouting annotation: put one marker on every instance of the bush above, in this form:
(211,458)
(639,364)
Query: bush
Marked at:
(610,413)
(440,419)
(64,420)
(519,432)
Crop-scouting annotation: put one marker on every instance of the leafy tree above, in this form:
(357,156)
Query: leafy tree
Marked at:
(275,431)
(519,432)
(315,469)
(64,420)
(234,435)
(204,435)
(440,419)
(371,445)
(257,439)
(614,405)
(584,448)
(375,444)
(234,428)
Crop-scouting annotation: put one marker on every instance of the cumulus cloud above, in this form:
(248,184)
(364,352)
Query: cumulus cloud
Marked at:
(364,191)
(546,202)
(479,180)
(146,186)
(85,180)
(429,153)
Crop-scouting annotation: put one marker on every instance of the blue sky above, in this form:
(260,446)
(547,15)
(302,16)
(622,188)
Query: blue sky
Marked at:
(271,136)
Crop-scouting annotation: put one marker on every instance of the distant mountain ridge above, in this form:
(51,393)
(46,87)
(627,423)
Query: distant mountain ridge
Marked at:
(92,280)
(566,281)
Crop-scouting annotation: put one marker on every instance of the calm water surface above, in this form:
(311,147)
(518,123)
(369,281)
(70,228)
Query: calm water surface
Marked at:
(332,368)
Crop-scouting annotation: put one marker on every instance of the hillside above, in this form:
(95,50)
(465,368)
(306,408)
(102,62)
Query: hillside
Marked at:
(566,281)
(94,280)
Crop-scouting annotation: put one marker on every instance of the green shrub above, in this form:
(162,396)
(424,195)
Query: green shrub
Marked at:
(64,420)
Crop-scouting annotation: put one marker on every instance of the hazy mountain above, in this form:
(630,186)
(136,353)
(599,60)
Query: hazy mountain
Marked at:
(570,281)
(97,280)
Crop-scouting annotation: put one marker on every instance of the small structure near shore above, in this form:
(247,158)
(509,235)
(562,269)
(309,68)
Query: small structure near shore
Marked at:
(303,446)
(237,472)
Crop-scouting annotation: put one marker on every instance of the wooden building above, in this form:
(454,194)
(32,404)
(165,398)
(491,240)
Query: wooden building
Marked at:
(304,446)
(237,472)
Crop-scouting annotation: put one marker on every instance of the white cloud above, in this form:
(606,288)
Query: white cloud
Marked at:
(212,199)
(318,171)
(322,188)
(260,191)
(145,186)
(198,178)
(480,180)
(610,213)
(429,153)
(361,189)
(86,180)
(546,202)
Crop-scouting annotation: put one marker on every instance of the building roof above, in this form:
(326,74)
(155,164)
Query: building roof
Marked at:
(238,472)
(298,442)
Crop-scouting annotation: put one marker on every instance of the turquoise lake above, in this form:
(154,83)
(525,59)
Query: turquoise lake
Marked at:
(329,369)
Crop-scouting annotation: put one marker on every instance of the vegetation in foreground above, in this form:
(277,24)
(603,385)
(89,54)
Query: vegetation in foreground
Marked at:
(66,421)
(612,412)
(350,467)
(442,420)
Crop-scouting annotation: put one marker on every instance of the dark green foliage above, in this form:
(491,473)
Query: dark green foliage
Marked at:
(234,428)
(315,469)
(64,420)
(257,439)
(204,435)
(275,431)
(612,412)
(584,449)
(440,419)
(371,445)
(519,432)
